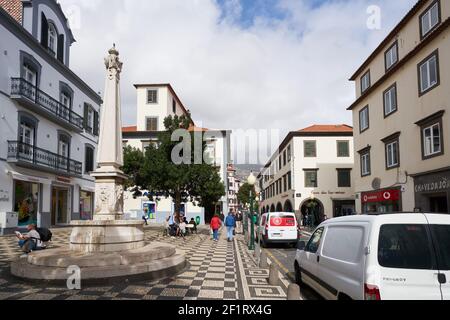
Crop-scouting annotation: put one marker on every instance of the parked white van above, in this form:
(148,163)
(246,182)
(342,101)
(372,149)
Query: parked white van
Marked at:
(277,227)
(403,256)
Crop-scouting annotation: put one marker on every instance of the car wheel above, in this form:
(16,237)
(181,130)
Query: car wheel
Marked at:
(298,275)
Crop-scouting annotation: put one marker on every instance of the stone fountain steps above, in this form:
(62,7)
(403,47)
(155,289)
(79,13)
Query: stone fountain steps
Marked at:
(64,258)
(152,262)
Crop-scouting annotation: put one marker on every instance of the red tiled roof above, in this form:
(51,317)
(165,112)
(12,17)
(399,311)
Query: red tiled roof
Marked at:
(328,128)
(197,129)
(129,129)
(14,8)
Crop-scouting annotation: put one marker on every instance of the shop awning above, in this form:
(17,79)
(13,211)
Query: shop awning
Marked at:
(88,188)
(28,178)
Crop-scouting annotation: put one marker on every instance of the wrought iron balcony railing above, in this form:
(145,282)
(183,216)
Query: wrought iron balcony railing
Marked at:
(35,157)
(22,88)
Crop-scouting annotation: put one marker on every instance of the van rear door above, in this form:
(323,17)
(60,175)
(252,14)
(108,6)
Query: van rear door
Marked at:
(440,229)
(283,226)
(408,267)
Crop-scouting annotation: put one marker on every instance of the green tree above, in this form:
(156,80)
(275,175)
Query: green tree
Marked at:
(155,171)
(244,194)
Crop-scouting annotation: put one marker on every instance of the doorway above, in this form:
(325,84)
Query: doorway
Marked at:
(59,210)
(439,204)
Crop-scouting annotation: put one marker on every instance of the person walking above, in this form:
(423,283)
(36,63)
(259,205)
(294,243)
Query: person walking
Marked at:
(230,222)
(215,226)
(239,222)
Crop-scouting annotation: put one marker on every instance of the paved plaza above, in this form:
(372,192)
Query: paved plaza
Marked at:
(216,270)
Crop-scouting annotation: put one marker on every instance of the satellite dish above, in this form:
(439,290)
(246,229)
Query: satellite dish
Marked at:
(376,183)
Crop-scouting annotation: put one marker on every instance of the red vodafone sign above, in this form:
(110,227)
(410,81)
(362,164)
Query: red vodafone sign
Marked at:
(381,196)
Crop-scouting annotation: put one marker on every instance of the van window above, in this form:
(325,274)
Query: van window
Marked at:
(314,242)
(442,235)
(405,247)
(282,220)
(344,243)
(263,221)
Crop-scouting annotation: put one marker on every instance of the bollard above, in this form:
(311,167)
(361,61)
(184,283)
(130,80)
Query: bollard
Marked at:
(273,275)
(257,252)
(263,260)
(293,292)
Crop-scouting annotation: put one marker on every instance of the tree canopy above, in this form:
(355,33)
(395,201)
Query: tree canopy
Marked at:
(155,171)
(244,194)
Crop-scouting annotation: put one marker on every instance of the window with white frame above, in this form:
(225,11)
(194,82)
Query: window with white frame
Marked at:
(65,99)
(430,19)
(432,141)
(52,38)
(391,56)
(30,75)
(90,120)
(152,96)
(364,119)
(390,100)
(392,154)
(152,124)
(429,73)
(365,82)
(365,163)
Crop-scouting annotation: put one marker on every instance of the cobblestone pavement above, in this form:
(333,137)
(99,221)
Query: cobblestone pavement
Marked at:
(222,271)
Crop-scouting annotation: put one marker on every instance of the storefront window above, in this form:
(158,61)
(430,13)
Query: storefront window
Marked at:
(26,195)
(86,201)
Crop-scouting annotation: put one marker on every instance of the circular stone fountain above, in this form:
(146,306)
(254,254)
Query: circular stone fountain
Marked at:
(106,249)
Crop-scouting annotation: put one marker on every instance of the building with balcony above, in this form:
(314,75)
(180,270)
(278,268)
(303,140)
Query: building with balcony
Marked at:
(155,102)
(234,184)
(48,120)
(311,174)
(401,116)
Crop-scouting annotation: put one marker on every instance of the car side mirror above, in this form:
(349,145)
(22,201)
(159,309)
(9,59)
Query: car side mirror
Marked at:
(301,245)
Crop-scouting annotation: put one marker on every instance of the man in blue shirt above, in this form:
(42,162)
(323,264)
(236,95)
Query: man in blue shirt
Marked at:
(230,223)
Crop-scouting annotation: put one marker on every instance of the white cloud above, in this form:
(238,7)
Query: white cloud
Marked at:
(275,74)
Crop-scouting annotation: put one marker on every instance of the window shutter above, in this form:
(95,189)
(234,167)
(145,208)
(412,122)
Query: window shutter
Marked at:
(96,123)
(86,116)
(60,54)
(44,31)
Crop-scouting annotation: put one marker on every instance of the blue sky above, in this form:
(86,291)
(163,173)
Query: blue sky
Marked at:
(269,9)
(254,8)
(236,64)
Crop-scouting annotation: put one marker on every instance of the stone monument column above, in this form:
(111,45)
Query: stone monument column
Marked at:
(108,232)
(109,179)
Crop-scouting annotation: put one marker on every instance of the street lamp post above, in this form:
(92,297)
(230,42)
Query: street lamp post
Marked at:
(251,180)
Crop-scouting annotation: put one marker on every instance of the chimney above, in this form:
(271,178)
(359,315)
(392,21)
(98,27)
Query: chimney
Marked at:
(14,8)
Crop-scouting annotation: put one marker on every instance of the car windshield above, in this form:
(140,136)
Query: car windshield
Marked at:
(405,247)
(442,236)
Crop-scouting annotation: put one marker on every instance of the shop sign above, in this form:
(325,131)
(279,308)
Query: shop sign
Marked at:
(436,185)
(63,179)
(381,196)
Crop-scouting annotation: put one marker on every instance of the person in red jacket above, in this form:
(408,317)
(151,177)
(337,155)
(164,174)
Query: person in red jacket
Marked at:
(215,226)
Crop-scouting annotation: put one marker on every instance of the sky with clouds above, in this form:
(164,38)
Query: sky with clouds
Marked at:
(236,64)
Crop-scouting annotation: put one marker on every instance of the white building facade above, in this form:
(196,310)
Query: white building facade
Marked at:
(155,102)
(401,116)
(311,170)
(48,121)
(234,184)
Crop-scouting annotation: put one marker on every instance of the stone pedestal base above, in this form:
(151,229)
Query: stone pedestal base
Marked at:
(106,236)
(152,262)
